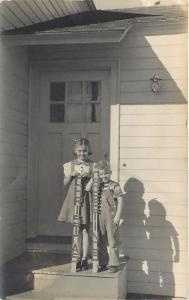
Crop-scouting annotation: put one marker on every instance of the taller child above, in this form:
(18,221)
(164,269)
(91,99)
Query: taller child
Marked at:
(81,165)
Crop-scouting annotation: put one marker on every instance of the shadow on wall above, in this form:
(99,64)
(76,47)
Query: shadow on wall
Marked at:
(150,240)
(152,52)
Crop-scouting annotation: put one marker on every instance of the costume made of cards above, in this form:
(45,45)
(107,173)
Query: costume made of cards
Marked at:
(108,231)
(67,210)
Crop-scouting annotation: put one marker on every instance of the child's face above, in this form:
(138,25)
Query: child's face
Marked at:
(104,175)
(82,152)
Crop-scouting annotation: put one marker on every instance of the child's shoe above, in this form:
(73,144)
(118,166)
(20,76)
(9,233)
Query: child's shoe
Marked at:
(102,268)
(112,269)
(78,266)
(84,265)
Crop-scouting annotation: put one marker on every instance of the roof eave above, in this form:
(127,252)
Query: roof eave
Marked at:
(67,38)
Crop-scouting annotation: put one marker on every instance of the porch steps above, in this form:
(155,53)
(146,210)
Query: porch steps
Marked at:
(57,283)
(49,244)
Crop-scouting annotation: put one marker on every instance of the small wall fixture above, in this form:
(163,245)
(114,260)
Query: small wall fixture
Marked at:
(155,83)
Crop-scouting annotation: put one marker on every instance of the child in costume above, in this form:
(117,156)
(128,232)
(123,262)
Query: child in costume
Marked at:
(83,166)
(111,198)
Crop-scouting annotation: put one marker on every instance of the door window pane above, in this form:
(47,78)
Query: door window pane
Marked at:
(92,113)
(57,113)
(74,91)
(74,113)
(75,101)
(92,91)
(57,91)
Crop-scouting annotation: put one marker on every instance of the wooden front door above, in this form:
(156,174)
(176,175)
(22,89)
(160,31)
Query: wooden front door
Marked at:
(72,105)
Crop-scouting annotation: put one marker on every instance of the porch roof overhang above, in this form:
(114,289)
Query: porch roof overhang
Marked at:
(67,37)
(16,14)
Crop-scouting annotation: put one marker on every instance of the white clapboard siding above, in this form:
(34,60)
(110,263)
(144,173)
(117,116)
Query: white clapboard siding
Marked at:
(13,172)
(151,109)
(13,150)
(153,150)
(160,152)
(172,210)
(14,103)
(139,231)
(155,164)
(158,243)
(155,175)
(10,161)
(154,119)
(11,196)
(13,115)
(149,97)
(142,75)
(150,63)
(161,168)
(106,52)
(139,40)
(154,130)
(144,86)
(6,136)
(136,220)
(181,278)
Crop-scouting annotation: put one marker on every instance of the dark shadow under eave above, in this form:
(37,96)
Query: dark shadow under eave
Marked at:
(79,19)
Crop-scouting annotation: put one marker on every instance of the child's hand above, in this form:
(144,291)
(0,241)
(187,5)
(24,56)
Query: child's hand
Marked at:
(116,220)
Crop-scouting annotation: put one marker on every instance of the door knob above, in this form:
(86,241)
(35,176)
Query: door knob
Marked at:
(124,164)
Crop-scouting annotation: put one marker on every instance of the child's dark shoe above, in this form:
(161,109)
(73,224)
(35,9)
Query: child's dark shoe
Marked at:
(112,269)
(78,266)
(84,265)
(102,268)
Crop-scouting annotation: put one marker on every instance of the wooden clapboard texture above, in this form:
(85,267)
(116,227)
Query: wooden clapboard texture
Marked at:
(76,224)
(95,219)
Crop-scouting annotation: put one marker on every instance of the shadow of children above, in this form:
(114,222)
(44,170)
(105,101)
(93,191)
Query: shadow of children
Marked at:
(162,237)
(133,229)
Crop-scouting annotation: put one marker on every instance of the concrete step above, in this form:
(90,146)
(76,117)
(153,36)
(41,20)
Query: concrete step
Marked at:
(47,276)
(30,295)
(49,244)
(18,274)
(57,283)
(48,248)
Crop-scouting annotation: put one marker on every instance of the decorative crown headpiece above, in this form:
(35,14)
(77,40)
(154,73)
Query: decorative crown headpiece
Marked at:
(82,141)
(104,165)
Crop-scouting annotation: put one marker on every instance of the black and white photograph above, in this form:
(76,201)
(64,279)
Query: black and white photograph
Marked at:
(93,149)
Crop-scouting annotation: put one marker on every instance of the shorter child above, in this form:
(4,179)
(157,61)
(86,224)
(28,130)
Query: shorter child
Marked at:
(111,198)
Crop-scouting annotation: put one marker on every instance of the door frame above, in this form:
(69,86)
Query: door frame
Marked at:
(36,71)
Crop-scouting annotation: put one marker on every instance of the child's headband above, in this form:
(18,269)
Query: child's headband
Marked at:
(81,142)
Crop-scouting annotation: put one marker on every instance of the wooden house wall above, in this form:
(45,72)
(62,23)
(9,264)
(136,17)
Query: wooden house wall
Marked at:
(152,153)
(13,150)
(153,167)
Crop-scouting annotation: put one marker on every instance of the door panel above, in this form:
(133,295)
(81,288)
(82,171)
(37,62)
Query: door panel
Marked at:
(72,105)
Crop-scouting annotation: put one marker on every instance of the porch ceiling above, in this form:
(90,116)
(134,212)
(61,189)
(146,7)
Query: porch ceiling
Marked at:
(21,13)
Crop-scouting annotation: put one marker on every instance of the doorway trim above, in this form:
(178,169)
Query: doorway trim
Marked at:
(36,71)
